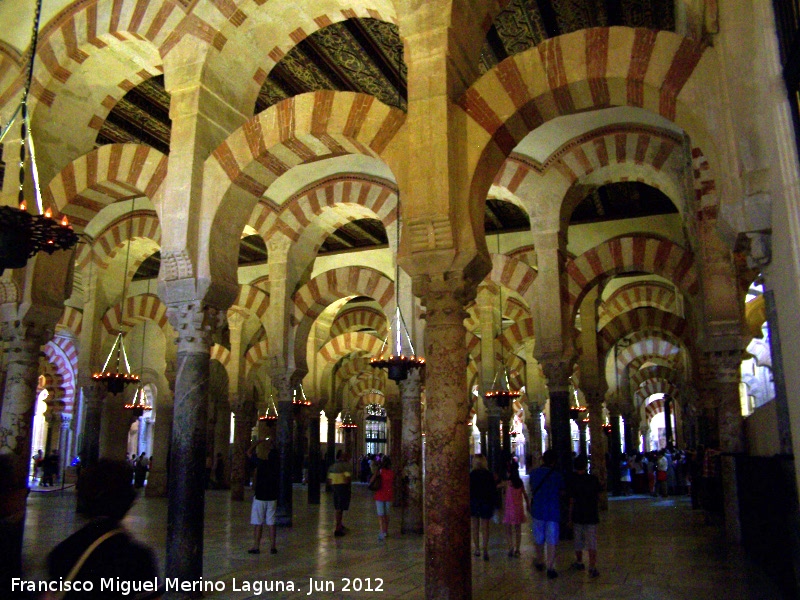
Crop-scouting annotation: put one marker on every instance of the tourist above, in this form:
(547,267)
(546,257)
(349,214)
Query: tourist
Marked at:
(547,485)
(482,489)
(384,495)
(340,476)
(584,514)
(515,505)
(103,549)
(265,497)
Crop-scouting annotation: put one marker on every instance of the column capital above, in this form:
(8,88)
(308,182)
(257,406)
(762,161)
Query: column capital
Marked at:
(195,323)
(445,296)
(557,372)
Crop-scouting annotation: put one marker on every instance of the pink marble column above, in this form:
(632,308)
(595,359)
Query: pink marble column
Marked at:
(281,381)
(411,519)
(448,562)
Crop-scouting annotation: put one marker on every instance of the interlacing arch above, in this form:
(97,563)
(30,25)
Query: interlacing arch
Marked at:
(256,354)
(653,155)
(651,344)
(254,45)
(298,212)
(654,386)
(511,273)
(122,317)
(360,318)
(652,294)
(630,253)
(253,300)
(62,353)
(71,320)
(653,372)
(514,338)
(347,343)
(651,319)
(110,173)
(137,225)
(220,354)
(298,130)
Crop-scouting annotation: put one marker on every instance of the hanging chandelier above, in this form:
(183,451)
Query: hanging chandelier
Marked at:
(576,413)
(120,374)
(22,234)
(501,391)
(397,353)
(139,404)
(347,421)
(299,399)
(270,415)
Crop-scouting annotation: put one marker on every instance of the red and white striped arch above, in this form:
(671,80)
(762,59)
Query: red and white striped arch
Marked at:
(72,320)
(122,317)
(253,300)
(514,338)
(256,354)
(348,343)
(651,344)
(627,253)
(654,386)
(220,354)
(647,319)
(140,225)
(304,207)
(298,130)
(639,376)
(62,353)
(358,318)
(652,294)
(110,173)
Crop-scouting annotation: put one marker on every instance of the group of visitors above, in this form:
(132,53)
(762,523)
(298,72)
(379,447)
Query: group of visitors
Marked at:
(46,467)
(664,472)
(548,486)
(141,466)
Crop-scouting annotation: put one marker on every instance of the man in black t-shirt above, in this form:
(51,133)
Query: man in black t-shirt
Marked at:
(265,499)
(584,514)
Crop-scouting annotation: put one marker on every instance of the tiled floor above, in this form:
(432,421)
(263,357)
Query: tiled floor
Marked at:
(649,549)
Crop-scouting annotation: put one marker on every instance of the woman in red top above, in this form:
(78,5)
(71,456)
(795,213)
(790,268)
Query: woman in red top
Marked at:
(384,495)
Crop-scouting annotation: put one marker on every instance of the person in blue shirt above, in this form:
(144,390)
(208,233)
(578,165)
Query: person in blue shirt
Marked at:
(547,485)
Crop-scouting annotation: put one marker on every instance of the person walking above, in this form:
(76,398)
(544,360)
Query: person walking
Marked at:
(265,498)
(584,514)
(482,488)
(384,495)
(547,485)
(515,505)
(340,476)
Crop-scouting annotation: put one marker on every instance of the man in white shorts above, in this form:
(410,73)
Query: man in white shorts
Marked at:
(265,499)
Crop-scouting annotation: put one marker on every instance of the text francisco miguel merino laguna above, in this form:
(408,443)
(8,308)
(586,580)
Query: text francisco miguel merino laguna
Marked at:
(173,584)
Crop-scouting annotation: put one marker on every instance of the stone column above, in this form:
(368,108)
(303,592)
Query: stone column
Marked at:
(222,443)
(300,443)
(411,518)
(244,410)
(448,562)
(394,412)
(23,345)
(721,370)
(534,424)
(93,398)
(614,451)
(193,323)
(281,381)
(157,479)
(313,456)
(668,421)
(64,437)
(597,448)
(330,451)
(582,436)
(114,426)
(494,416)
(557,373)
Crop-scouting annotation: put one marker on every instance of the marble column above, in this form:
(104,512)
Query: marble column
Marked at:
(394,413)
(721,370)
(597,444)
(281,381)
(411,517)
(448,561)
(64,439)
(157,479)
(330,445)
(557,373)
(494,416)
(313,456)
(23,345)
(244,410)
(93,399)
(582,436)
(193,323)
(668,421)
(114,426)
(534,424)
(614,452)
(300,443)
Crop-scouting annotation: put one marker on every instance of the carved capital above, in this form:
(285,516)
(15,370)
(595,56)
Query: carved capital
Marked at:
(176,265)
(195,325)
(24,340)
(445,297)
(557,373)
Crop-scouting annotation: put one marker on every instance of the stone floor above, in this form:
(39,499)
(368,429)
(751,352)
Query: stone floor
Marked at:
(649,549)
